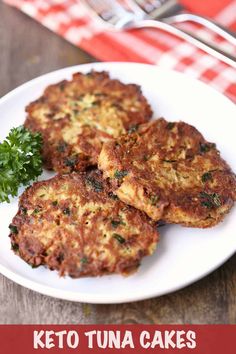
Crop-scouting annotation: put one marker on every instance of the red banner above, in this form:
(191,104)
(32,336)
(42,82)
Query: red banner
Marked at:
(98,339)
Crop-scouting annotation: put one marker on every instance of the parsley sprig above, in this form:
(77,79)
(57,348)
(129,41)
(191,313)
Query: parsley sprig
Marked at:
(20,161)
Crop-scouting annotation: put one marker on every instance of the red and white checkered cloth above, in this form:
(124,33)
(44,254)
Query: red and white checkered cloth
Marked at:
(72,20)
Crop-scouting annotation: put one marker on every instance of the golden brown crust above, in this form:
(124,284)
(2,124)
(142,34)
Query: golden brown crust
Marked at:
(171,172)
(76,117)
(74,224)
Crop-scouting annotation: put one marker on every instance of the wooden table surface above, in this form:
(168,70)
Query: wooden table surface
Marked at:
(28,50)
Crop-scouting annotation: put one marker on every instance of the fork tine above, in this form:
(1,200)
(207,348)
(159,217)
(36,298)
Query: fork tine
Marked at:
(119,18)
(137,9)
(149,5)
(101,9)
(111,12)
(157,8)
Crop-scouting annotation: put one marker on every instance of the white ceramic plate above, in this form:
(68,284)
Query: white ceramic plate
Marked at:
(184,255)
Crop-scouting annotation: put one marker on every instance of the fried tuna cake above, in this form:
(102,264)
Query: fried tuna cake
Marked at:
(76,117)
(73,223)
(171,172)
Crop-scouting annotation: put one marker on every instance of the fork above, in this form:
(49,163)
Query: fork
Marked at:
(168,11)
(117,17)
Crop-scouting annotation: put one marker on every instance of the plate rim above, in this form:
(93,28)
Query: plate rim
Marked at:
(101,298)
(89,298)
(113,63)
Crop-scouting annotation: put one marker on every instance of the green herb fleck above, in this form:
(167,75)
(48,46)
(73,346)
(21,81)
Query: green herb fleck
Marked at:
(66,211)
(24,210)
(42,195)
(84,260)
(62,85)
(36,211)
(170,125)
(15,247)
(70,161)
(206,147)
(55,203)
(206,177)
(95,184)
(62,147)
(119,238)
(170,161)
(60,258)
(33,266)
(154,199)
(112,196)
(133,128)
(116,223)
(210,201)
(13,229)
(120,174)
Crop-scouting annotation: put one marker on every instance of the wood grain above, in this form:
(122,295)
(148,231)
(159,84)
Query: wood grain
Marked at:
(27,51)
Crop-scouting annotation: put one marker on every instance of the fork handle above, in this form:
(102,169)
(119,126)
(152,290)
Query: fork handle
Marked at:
(230,60)
(220,30)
